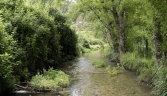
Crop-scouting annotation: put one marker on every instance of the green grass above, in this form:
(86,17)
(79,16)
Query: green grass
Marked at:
(50,79)
(98,63)
(160,81)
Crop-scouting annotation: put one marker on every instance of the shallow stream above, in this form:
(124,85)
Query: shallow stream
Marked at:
(90,81)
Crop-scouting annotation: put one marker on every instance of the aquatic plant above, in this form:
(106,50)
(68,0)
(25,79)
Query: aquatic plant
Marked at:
(98,63)
(115,70)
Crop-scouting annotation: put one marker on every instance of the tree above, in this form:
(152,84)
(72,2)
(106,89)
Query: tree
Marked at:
(116,16)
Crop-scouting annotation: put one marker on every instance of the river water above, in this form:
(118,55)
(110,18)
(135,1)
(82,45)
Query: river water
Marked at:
(86,80)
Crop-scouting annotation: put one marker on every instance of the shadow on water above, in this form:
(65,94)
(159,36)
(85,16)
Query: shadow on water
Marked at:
(86,80)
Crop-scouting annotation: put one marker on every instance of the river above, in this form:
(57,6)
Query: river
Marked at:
(86,80)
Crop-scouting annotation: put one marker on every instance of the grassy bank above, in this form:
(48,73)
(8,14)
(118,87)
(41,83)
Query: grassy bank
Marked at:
(145,68)
(148,72)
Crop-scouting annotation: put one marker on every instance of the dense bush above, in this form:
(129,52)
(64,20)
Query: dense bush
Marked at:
(43,35)
(7,59)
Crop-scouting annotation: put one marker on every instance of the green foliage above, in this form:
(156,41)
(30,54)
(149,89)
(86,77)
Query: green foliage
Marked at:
(146,68)
(148,74)
(9,53)
(50,79)
(160,81)
(107,52)
(111,72)
(134,62)
(87,42)
(6,68)
(130,61)
(33,35)
(68,40)
(98,63)
(44,28)
(143,21)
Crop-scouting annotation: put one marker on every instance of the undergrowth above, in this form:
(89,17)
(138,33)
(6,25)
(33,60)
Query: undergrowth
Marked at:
(160,81)
(148,72)
(50,79)
(107,52)
(146,68)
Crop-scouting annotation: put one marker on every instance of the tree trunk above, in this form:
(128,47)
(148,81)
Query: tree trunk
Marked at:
(119,21)
(121,33)
(156,49)
(147,49)
(157,40)
(107,38)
